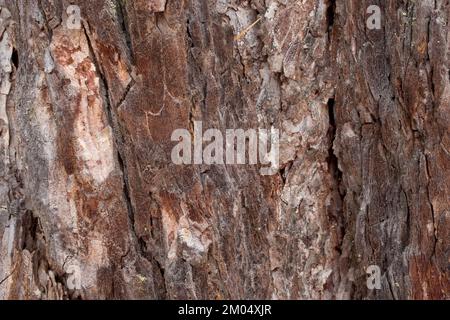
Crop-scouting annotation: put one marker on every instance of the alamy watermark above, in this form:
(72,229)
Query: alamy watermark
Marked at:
(235,146)
(374,20)
(373,277)
(73,17)
(73,277)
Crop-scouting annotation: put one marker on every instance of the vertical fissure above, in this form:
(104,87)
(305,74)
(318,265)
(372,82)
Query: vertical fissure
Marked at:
(332,159)
(118,137)
(330,16)
(119,140)
(123,20)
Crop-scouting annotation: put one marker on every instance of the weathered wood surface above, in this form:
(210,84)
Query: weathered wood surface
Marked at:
(86,179)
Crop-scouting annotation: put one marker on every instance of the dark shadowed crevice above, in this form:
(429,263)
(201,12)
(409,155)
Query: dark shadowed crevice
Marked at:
(30,228)
(331,12)
(332,158)
(331,115)
(123,20)
(15,58)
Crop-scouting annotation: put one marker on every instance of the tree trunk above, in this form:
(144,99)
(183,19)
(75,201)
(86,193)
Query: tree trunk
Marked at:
(93,207)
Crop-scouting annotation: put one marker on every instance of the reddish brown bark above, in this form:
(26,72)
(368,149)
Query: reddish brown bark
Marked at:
(87,179)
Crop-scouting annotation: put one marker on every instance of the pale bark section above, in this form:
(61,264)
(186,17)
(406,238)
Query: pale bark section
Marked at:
(87,183)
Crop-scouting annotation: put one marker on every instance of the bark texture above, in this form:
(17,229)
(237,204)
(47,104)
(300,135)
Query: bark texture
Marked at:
(86,177)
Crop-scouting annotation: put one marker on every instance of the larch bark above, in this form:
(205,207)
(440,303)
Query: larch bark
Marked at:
(87,181)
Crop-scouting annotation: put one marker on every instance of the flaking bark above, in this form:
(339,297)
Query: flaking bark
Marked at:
(86,177)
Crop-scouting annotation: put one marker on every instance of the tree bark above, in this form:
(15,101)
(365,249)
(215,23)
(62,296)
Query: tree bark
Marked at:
(88,188)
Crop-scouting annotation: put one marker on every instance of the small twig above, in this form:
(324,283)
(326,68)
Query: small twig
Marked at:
(9,275)
(244,32)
